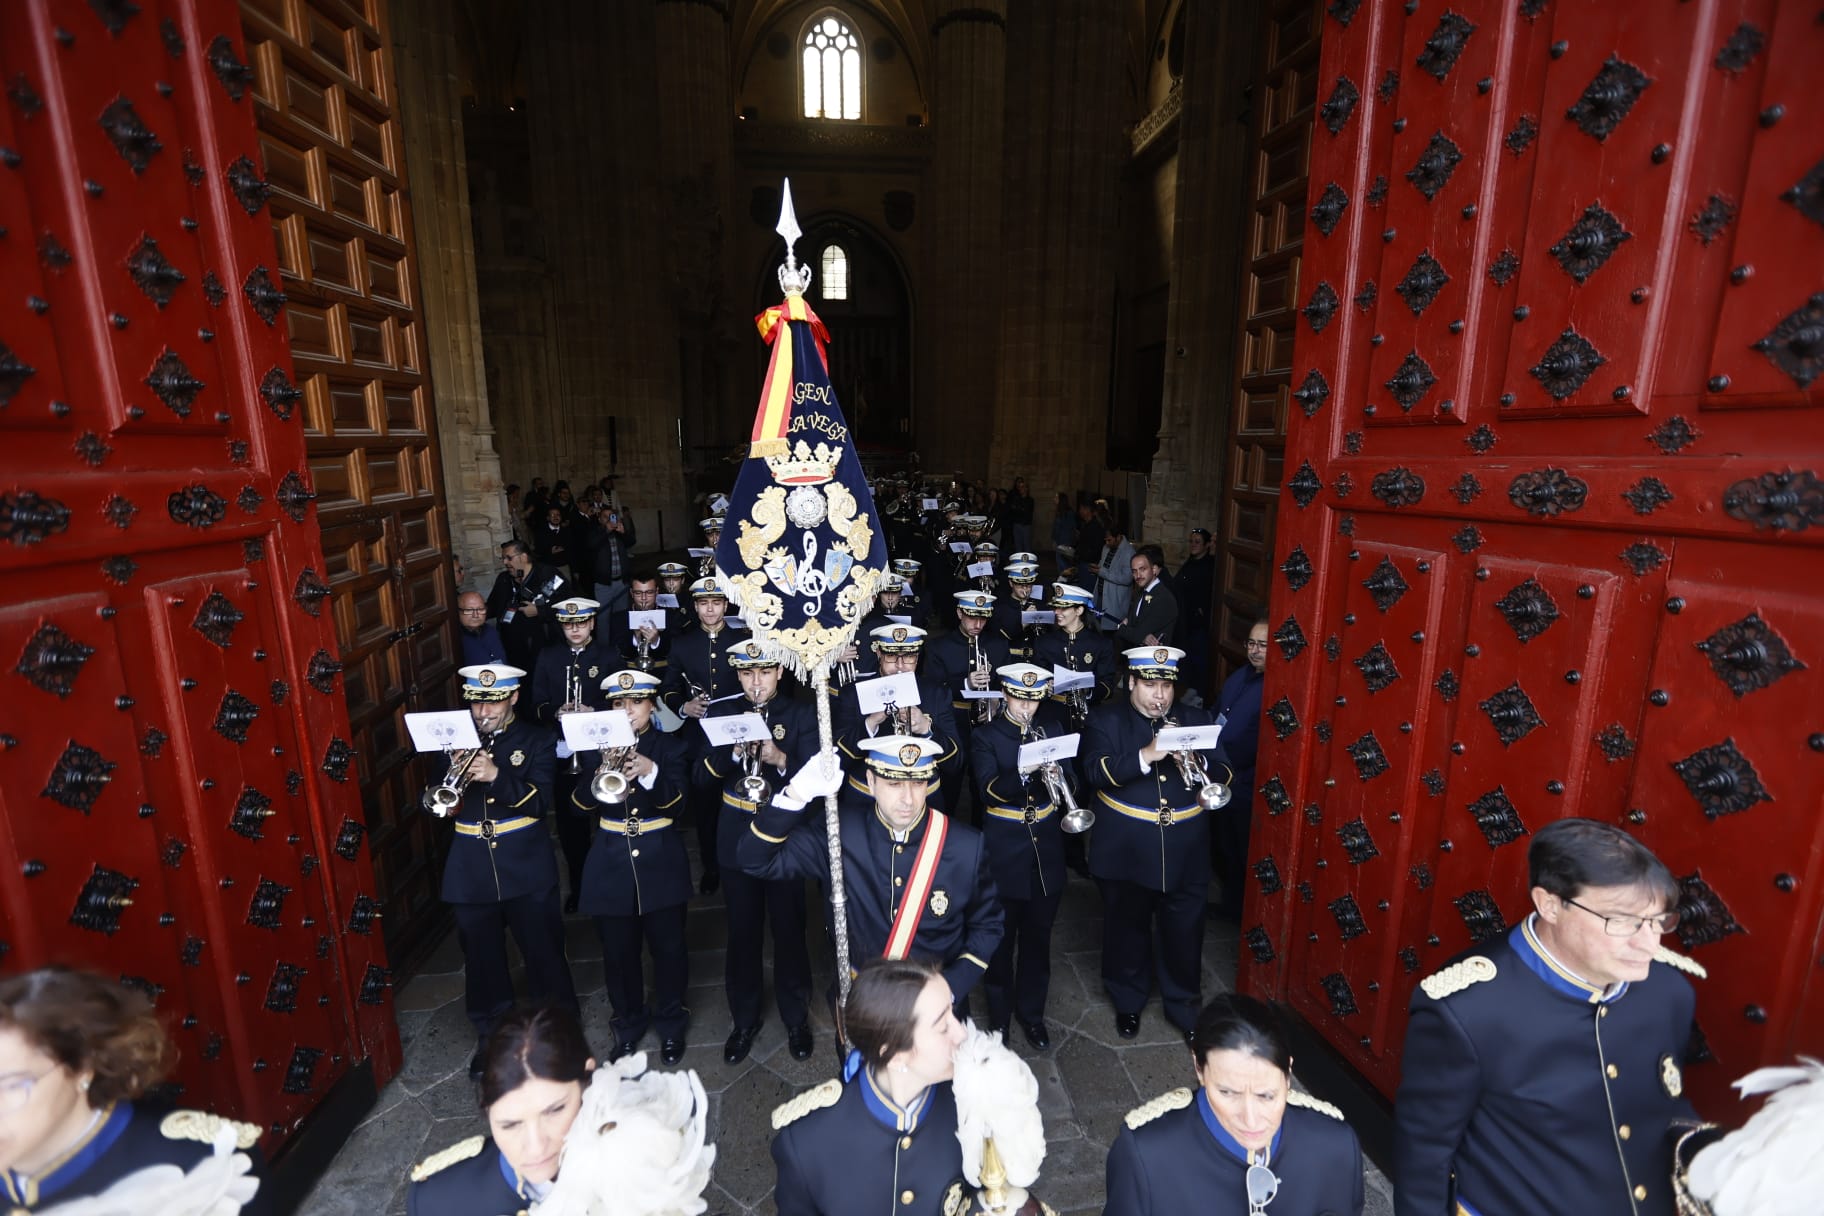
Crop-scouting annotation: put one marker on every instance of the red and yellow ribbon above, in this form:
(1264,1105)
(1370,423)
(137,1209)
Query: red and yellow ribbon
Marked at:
(774,416)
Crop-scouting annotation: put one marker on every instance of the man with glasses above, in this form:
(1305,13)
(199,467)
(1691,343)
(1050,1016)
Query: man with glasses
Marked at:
(1542,1070)
(480,637)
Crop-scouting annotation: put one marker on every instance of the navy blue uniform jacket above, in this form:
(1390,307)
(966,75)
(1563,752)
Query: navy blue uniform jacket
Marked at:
(962,923)
(862,1154)
(699,659)
(851,727)
(1019,819)
(594,663)
(1536,1094)
(1149,829)
(794,726)
(1090,650)
(481,1185)
(626,875)
(518,860)
(1183,1161)
(947,661)
(129,1138)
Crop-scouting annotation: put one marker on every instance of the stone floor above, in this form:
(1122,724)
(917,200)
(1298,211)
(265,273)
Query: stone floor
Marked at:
(1087,1082)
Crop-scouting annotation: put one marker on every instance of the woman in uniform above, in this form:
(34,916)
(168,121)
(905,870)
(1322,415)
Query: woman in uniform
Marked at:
(883,1138)
(77,1055)
(537,1063)
(1242,1138)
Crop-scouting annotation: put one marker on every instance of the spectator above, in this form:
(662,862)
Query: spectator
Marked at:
(1090,535)
(1016,512)
(1154,619)
(521,603)
(1196,589)
(535,501)
(611,540)
(551,540)
(1115,585)
(481,642)
(1238,711)
(1064,534)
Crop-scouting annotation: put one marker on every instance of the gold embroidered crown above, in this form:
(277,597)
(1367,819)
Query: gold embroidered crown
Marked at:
(801,465)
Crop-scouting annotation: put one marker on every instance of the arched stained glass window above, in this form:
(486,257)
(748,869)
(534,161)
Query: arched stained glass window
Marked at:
(832,70)
(833,272)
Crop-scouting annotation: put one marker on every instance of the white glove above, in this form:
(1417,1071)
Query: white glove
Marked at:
(818,777)
(563,750)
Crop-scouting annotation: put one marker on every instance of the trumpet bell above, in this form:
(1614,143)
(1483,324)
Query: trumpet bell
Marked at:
(609,786)
(754,788)
(1077,820)
(442,800)
(1213,796)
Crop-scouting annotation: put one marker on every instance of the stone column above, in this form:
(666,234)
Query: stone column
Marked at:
(1065,150)
(1202,316)
(431,87)
(960,309)
(595,156)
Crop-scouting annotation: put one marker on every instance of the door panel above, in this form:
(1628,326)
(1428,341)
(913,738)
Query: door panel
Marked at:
(1547,544)
(325,101)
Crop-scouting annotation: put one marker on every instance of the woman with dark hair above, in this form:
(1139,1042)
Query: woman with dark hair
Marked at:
(535,1067)
(78,1054)
(884,1137)
(1243,1138)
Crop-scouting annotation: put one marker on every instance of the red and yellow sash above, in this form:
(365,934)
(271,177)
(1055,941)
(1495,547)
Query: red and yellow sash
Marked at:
(918,889)
(775,412)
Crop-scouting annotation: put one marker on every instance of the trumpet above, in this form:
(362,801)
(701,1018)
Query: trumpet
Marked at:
(978,666)
(1078,702)
(610,785)
(1076,818)
(442,797)
(573,699)
(1211,795)
(642,653)
(753,785)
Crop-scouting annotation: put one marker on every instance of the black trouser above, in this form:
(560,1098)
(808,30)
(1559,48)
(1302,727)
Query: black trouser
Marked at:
(537,925)
(1018,986)
(624,979)
(706,812)
(1130,913)
(753,904)
(1229,842)
(575,828)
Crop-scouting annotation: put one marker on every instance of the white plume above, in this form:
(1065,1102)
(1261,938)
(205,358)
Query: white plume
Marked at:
(1774,1164)
(218,1185)
(637,1147)
(997,1095)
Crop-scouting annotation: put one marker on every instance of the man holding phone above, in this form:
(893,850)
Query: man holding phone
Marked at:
(611,541)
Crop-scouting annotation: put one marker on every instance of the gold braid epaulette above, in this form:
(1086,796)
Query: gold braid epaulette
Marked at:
(1295,1098)
(811,1099)
(1455,978)
(1174,1099)
(202,1126)
(462,1150)
(1673,958)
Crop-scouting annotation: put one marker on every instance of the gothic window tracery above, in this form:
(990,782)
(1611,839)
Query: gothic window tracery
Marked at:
(832,69)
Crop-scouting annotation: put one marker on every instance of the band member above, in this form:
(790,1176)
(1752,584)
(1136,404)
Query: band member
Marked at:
(896,650)
(78,1055)
(712,536)
(912,601)
(1243,1139)
(918,884)
(884,1137)
(1020,822)
(1077,645)
(500,875)
(674,590)
(888,604)
(1153,621)
(636,884)
(1150,851)
(752,903)
(1548,1062)
(697,677)
(647,648)
(966,659)
(1020,596)
(520,603)
(568,679)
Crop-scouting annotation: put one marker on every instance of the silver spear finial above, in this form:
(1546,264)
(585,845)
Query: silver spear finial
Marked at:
(794,279)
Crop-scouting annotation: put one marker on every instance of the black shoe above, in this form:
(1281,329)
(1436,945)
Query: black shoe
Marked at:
(798,1041)
(671,1051)
(570,904)
(1037,1035)
(477,1061)
(1127,1025)
(710,883)
(1000,1028)
(735,1050)
(622,1047)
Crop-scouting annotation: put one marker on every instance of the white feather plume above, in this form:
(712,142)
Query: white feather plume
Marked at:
(1774,1164)
(638,1146)
(997,1095)
(218,1185)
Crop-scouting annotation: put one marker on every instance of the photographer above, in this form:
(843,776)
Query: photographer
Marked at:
(610,545)
(521,603)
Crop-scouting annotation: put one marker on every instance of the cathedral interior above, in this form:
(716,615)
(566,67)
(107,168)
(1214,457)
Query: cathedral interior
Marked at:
(1484,343)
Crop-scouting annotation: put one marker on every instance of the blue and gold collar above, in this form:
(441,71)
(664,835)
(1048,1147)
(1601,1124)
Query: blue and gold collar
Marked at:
(1226,1142)
(75,1161)
(888,1113)
(1561,979)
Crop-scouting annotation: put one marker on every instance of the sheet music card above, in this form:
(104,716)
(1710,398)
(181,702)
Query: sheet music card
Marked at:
(637,620)
(598,731)
(444,728)
(1064,680)
(1189,738)
(887,692)
(1043,751)
(735,728)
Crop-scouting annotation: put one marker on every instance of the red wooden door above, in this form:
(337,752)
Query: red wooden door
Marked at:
(1549,542)
(174,762)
